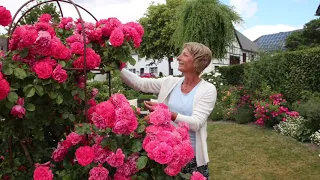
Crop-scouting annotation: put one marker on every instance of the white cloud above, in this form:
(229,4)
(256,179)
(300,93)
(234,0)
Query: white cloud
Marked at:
(257,31)
(124,10)
(246,8)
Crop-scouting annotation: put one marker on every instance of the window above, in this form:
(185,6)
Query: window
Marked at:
(132,70)
(154,70)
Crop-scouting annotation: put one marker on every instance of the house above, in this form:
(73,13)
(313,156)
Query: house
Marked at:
(318,11)
(3,44)
(242,50)
(273,42)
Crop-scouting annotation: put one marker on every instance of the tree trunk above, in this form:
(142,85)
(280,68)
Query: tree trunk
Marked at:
(169,65)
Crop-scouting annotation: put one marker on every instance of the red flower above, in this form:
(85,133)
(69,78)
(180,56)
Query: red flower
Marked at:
(45,18)
(42,173)
(5,16)
(197,176)
(4,88)
(117,37)
(59,74)
(43,70)
(84,155)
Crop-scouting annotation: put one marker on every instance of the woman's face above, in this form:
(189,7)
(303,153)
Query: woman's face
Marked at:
(185,61)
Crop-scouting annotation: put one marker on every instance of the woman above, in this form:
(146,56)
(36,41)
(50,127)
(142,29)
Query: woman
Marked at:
(190,99)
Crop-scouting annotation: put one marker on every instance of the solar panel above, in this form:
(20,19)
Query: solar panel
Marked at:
(272,42)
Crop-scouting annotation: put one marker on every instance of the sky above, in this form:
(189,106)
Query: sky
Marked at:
(260,17)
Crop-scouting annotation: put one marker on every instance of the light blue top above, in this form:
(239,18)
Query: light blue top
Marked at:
(183,104)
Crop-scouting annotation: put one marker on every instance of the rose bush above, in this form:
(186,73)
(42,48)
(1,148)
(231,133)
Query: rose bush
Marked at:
(44,131)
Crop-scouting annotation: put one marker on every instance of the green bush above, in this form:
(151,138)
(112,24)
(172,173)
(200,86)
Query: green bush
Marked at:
(217,113)
(233,75)
(289,73)
(311,111)
(244,115)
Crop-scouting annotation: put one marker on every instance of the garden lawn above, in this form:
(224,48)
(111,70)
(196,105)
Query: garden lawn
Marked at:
(250,152)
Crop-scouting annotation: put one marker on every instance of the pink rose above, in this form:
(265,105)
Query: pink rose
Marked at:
(43,70)
(197,176)
(5,16)
(84,155)
(18,111)
(4,89)
(42,173)
(117,37)
(59,74)
(45,18)
(116,159)
(98,173)
(74,138)
(163,153)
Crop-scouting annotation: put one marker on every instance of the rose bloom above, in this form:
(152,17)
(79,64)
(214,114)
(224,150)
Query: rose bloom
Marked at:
(84,155)
(4,89)
(42,173)
(5,16)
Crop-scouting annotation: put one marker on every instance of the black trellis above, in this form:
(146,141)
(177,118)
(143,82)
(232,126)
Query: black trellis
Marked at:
(13,26)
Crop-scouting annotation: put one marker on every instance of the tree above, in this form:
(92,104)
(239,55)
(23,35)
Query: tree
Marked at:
(159,25)
(308,37)
(47,8)
(208,22)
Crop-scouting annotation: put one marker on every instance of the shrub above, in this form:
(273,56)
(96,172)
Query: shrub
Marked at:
(272,111)
(295,127)
(217,113)
(233,75)
(315,138)
(244,115)
(310,110)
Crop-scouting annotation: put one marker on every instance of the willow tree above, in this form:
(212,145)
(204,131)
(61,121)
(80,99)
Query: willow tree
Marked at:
(206,21)
(159,23)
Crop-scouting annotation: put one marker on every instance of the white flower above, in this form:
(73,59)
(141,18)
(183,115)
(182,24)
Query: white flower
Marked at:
(221,84)
(210,80)
(214,82)
(209,74)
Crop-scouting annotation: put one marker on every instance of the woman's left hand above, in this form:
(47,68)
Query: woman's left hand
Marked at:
(149,105)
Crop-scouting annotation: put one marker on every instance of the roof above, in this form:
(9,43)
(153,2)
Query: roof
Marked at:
(245,43)
(318,11)
(273,42)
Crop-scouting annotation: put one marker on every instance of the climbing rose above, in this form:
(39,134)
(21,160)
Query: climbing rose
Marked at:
(116,159)
(117,37)
(4,89)
(43,70)
(5,16)
(42,173)
(45,18)
(84,155)
(59,74)
(98,173)
(197,176)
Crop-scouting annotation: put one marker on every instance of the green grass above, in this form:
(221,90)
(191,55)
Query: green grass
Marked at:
(250,152)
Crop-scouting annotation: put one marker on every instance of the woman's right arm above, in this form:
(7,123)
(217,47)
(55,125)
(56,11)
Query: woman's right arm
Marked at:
(147,85)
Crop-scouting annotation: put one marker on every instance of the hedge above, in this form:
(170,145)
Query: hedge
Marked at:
(290,73)
(234,75)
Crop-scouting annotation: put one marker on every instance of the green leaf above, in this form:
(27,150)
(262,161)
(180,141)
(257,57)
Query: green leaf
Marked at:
(29,92)
(83,128)
(141,128)
(136,145)
(65,115)
(110,143)
(7,70)
(142,162)
(59,99)
(74,92)
(9,105)
(81,95)
(24,53)
(30,107)
(39,90)
(132,61)
(20,73)
(53,94)
(63,64)
(13,97)
(71,117)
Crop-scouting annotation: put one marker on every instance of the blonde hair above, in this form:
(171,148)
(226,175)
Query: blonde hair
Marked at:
(201,54)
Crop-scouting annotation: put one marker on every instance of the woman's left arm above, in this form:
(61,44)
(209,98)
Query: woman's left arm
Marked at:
(201,111)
